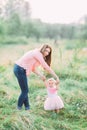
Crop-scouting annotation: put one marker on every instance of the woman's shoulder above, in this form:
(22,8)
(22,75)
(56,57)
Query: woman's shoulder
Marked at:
(37,52)
(34,51)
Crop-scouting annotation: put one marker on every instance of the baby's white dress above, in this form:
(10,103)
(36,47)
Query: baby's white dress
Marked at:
(53,101)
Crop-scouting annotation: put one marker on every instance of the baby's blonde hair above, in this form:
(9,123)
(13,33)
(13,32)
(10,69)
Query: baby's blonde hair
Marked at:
(51,79)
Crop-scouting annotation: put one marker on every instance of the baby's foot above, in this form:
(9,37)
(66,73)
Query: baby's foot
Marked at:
(57,110)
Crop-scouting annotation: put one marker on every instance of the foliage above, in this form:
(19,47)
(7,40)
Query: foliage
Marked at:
(35,28)
(15,20)
(75,44)
(13,40)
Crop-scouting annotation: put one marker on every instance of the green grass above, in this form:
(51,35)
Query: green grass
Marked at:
(73,91)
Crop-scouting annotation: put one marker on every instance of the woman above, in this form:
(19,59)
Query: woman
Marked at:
(27,64)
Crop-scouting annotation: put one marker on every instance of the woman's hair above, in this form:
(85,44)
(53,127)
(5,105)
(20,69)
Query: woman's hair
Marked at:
(48,57)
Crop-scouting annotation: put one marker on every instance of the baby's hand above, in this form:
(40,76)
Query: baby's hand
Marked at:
(57,81)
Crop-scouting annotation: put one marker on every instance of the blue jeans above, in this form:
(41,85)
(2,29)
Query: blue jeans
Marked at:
(20,74)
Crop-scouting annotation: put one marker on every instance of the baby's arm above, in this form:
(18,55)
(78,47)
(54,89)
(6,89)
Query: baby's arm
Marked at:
(45,82)
(57,85)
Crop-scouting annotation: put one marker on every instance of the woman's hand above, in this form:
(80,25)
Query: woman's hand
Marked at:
(43,77)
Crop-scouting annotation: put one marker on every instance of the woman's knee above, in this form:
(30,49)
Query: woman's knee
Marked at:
(25,92)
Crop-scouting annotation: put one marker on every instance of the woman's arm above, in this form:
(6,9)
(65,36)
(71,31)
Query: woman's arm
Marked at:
(41,60)
(40,75)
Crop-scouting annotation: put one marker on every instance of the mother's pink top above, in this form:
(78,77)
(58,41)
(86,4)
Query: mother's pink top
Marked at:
(31,60)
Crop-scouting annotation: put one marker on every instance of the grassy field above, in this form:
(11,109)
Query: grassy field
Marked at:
(70,65)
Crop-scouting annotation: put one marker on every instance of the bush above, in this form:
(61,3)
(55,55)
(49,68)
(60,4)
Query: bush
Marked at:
(13,40)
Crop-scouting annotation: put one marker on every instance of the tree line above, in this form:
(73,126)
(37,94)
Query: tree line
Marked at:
(15,20)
